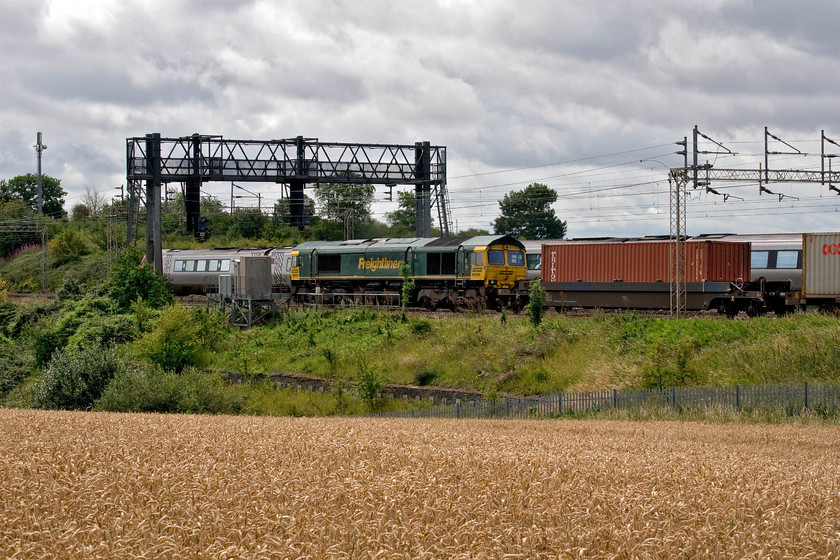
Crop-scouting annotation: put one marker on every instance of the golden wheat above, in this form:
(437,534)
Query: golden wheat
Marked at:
(85,485)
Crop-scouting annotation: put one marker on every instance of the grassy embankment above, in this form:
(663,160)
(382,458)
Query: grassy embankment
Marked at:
(486,353)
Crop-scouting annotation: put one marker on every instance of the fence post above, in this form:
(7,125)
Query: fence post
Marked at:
(674,398)
(457,409)
(615,398)
(806,396)
(560,403)
(738,397)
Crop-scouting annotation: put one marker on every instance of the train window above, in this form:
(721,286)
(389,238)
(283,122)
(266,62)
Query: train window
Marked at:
(225,266)
(494,256)
(515,258)
(758,259)
(201,266)
(190,266)
(288,264)
(329,264)
(533,261)
(179,266)
(440,263)
(787,259)
(214,265)
(477,259)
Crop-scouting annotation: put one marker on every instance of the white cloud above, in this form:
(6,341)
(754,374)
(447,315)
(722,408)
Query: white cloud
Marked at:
(503,85)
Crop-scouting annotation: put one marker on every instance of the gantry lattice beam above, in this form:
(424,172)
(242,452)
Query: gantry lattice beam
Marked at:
(298,161)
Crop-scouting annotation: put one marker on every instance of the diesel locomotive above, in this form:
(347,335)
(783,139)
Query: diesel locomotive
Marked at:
(446,271)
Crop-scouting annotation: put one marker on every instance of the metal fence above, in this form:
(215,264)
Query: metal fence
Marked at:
(791,398)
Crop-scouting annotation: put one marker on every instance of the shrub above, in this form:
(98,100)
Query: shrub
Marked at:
(175,340)
(76,377)
(536,302)
(91,312)
(132,279)
(425,376)
(369,385)
(152,389)
(68,246)
(421,327)
(14,366)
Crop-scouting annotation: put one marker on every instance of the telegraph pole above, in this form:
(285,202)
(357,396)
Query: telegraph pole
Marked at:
(40,147)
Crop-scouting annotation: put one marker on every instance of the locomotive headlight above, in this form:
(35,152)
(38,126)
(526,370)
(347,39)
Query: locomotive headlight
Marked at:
(492,282)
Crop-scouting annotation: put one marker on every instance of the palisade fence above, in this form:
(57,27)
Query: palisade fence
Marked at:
(791,398)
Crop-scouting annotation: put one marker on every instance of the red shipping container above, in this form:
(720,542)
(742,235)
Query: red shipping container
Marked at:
(644,261)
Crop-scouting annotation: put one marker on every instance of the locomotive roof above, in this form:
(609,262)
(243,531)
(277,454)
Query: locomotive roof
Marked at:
(414,242)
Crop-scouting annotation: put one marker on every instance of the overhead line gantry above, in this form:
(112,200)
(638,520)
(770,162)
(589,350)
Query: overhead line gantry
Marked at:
(297,162)
(703,175)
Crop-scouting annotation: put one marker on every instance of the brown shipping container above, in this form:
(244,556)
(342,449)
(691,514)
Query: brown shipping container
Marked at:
(821,265)
(644,261)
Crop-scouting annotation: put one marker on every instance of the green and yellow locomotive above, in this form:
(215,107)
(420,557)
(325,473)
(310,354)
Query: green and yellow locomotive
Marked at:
(447,271)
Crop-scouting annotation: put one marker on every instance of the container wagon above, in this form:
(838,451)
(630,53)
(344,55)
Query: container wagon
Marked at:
(635,275)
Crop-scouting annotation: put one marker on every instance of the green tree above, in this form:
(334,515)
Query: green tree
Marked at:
(473,232)
(25,187)
(132,279)
(283,210)
(527,214)
(404,219)
(336,199)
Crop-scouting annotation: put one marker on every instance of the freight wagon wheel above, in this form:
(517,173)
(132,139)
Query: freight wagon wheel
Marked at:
(755,309)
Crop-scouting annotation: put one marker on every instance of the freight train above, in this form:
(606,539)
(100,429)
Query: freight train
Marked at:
(726,272)
(447,272)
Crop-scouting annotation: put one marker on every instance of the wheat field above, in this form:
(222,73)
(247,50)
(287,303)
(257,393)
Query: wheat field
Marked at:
(92,485)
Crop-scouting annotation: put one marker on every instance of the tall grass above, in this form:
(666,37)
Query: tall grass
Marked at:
(474,350)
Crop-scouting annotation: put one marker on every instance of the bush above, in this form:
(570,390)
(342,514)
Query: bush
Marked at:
(178,339)
(90,313)
(68,246)
(132,279)
(75,378)
(152,389)
(536,302)
(14,366)
(369,385)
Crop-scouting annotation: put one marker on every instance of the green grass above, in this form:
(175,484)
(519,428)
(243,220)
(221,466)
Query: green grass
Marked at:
(482,352)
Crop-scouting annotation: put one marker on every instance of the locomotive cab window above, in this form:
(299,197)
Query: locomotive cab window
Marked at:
(787,259)
(440,263)
(516,258)
(328,264)
(496,257)
(477,259)
(758,259)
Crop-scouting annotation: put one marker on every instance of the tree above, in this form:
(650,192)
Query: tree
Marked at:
(473,232)
(283,209)
(527,214)
(404,218)
(337,199)
(25,187)
(94,200)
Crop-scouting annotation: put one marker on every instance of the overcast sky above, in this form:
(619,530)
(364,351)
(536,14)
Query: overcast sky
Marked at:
(572,94)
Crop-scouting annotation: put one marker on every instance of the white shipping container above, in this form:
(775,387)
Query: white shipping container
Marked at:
(821,265)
